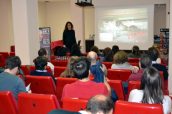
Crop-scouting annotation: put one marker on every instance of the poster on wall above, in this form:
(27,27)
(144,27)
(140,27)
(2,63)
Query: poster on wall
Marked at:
(45,39)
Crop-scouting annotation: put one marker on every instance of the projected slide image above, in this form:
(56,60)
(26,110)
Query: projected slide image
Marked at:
(124,25)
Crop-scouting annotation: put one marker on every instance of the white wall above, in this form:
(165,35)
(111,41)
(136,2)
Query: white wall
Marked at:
(6,30)
(42,14)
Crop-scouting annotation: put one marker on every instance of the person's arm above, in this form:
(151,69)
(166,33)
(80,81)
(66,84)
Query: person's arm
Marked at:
(64,38)
(74,38)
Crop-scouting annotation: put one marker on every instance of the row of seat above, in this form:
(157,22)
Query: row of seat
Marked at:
(42,104)
(4,56)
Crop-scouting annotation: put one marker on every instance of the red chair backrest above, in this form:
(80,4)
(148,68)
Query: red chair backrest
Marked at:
(107,64)
(37,103)
(60,83)
(133,60)
(5,54)
(41,84)
(124,107)
(2,60)
(58,70)
(74,104)
(132,85)
(118,88)
(62,63)
(8,104)
(12,48)
(47,68)
(12,53)
(118,74)
(25,69)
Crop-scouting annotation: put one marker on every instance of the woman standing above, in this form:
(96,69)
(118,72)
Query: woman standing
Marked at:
(69,36)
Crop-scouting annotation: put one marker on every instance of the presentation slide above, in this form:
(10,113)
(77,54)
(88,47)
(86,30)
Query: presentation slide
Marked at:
(124,27)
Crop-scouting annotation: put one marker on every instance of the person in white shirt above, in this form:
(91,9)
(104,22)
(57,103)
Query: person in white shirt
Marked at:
(151,90)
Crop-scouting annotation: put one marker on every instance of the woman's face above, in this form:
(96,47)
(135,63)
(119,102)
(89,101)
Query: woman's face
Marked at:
(69,26)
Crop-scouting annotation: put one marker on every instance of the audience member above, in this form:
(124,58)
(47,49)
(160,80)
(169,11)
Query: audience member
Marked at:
(75,50)
(145,62)
(154,54)
(108,55)
(43,52)
(151,90)
(68,71)
(115,49)
(120,61)
(135,52)
(99,104)
(8,79)
(83,88)
(40,67)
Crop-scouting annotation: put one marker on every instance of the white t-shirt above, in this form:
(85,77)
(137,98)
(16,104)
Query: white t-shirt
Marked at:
(51,66)
(137,95)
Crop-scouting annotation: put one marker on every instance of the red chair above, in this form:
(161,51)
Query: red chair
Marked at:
(124,107)
(74,104)
(25,69)
(47,68)
(107,64)
(8,104)
(117,86)
(133,60)
(60,83)
(41,84)
(37,103)
(2,60)
(132,85)
(118,74)
(62,63)
(12,53)
(12,48)
(5,54)
(58,70)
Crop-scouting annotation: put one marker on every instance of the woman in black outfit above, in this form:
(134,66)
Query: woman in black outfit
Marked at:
(69,36)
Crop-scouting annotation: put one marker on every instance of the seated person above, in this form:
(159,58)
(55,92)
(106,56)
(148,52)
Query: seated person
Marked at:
(43,52)
(83,88)
(154,54)
(40,67)
(151,90)
(120,61)
(135,52)
(145,62)
(68,73)
(98,104)
(8,79)
(108,54)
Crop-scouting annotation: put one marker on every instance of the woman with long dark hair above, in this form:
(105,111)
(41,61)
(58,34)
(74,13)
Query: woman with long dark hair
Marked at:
(151,90)
(69,36)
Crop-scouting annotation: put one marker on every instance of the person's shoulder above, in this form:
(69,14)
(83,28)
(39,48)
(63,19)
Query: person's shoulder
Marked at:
(62,112)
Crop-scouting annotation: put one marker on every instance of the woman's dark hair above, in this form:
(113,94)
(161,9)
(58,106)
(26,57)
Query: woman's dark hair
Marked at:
(136,50)
(81,67)
(108,54)
(115,48)
(40,62)
(66,28)
(153,53)
(95,49)
(151,84)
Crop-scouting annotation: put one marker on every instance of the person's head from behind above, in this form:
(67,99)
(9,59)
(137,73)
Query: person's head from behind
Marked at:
(151,84)
(40,63)
(75,51)
(145,61)
(120,57)
(13,64)
(100,104)
(42,52)
(81,68)
(153,53)
(71,60)
(92,56)
(106,51)
(69,26)
(136,50)
(115,48)
(95,49)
